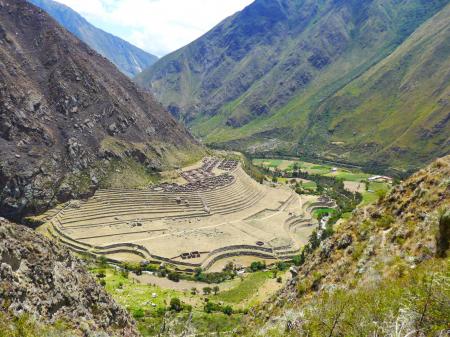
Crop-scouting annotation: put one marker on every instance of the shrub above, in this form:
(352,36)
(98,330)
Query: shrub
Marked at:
(138,313)
(173,276)
(257,265)
(443,235)
(385,221)
(175,304)
(207,290)
(227,310)
(279,279)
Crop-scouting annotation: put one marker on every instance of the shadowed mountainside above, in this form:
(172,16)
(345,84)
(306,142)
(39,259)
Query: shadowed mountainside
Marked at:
(69,119)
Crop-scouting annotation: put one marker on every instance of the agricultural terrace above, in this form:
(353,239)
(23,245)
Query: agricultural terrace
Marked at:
(211,211)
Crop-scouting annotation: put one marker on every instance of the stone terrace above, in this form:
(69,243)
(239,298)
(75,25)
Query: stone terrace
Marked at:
(214,216)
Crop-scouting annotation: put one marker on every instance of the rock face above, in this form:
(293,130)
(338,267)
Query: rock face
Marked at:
(65,110)
(344,80)
(128,58)
(41,278)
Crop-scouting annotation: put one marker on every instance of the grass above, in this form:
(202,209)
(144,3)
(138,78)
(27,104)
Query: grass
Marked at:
(373,192)
(135,296)
(321,211)
(245,289)
(137,299)
(310,185)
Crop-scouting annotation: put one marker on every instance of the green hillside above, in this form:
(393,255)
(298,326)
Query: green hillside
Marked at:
(302,77)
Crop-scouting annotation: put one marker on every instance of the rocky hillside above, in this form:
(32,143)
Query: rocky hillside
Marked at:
(128,58)
(69,119)
(383,270)
(41,278)
(305,77)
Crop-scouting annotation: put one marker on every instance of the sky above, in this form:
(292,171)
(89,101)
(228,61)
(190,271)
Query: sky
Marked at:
(156,26)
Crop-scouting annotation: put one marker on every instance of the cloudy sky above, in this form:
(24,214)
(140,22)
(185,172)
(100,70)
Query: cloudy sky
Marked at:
(157,26)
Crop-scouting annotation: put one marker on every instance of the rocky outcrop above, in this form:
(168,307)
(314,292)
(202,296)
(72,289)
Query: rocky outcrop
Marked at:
(65,111)
(41,278)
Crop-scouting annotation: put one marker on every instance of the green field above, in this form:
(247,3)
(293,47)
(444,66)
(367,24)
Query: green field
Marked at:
(321,211)
(312,168)
(245,289)
(374,191)
(345,174)
(150,312)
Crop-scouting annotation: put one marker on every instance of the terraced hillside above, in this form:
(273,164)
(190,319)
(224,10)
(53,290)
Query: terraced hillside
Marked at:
(365,82)
(190,225)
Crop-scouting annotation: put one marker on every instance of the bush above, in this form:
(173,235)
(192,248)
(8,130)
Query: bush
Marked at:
(385,221)
(138,313)
(257,265)
(281,266)
(443,235)
(175,304)
(173,276)
(298,260)
(227,310)
(279,279)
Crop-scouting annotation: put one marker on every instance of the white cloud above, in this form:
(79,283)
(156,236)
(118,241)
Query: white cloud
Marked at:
(158,26)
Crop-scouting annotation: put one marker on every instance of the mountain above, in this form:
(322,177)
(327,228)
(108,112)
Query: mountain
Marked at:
(128,58)
(384,272)
(332,79)
(45,291)
(70,121)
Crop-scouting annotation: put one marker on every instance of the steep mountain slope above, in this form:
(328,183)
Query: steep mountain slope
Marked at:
(42,279)
(128,58)
(69,120)
(384,272)
(264,77)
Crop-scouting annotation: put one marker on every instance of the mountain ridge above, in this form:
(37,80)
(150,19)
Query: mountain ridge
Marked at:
(130,59)
(260,94)
(70,121)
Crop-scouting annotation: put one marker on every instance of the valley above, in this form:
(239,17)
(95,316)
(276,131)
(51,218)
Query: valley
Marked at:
(286,174)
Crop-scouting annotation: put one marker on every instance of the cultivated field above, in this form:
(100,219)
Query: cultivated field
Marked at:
(217,212)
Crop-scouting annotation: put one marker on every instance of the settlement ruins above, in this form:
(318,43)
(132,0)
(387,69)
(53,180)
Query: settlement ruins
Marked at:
(213,211)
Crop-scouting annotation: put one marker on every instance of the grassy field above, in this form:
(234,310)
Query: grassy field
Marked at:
(373,192)
(312,168)
(321,211)
(245,289)
(148,303)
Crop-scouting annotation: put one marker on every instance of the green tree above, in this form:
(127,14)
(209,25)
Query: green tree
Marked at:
(175,304)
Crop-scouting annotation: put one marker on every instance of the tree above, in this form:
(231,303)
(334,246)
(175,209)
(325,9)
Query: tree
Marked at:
(194,291)
(175,304)
(216,289)
(207,290)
